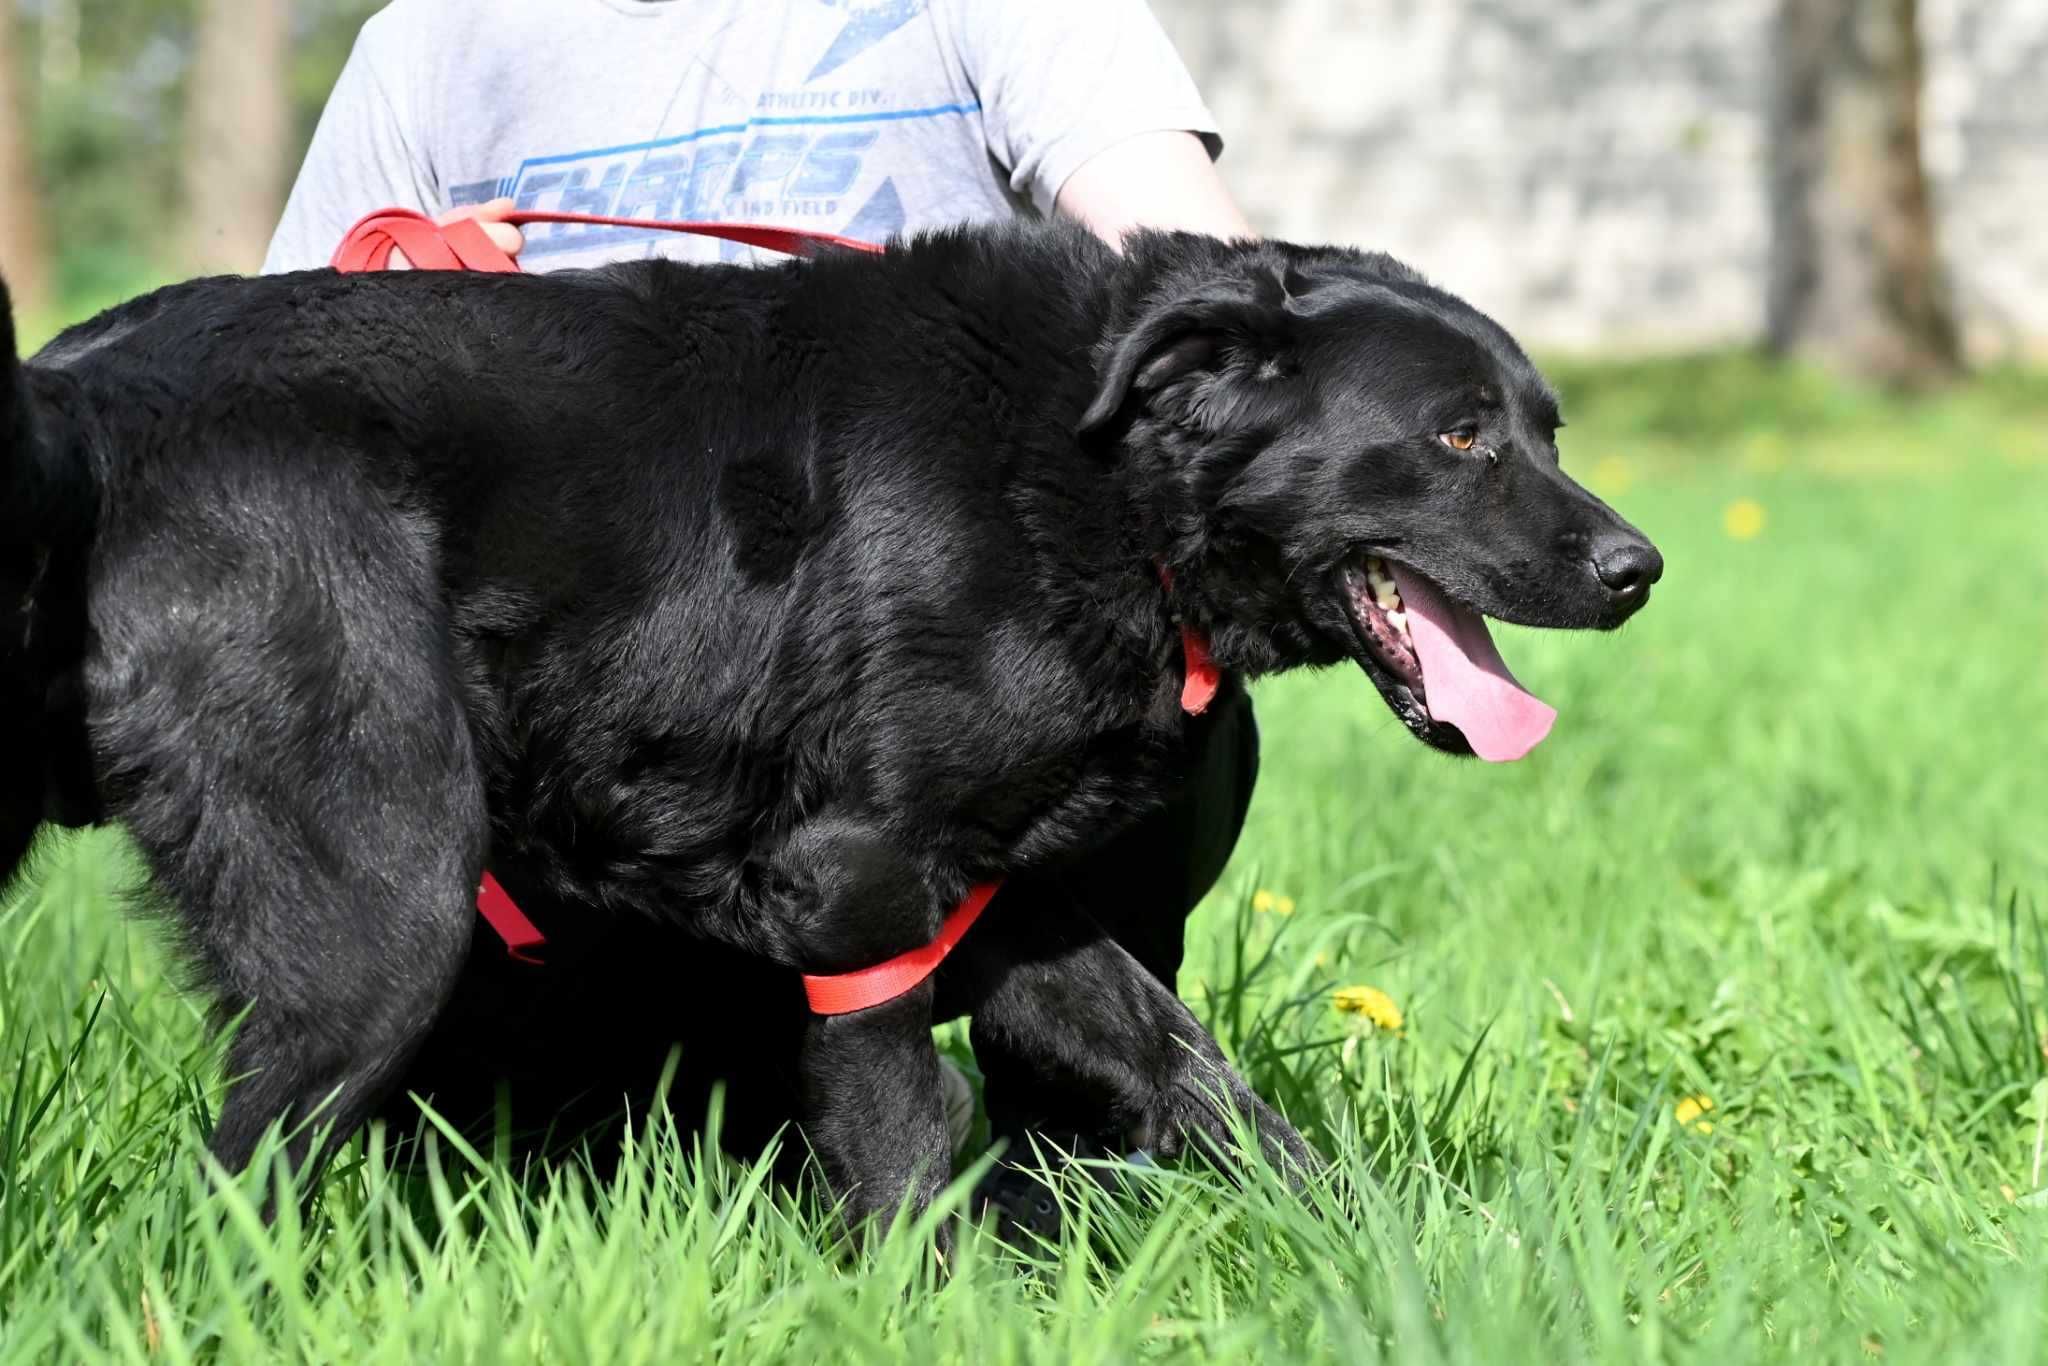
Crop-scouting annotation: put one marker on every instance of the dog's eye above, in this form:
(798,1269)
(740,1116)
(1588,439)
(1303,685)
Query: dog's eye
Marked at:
(1459,440)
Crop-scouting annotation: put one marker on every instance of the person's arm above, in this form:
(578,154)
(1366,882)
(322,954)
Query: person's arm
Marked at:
(366,155)
(1152,180)
(1089,108)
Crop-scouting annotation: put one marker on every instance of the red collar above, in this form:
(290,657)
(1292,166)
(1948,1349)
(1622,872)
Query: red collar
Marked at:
(1203,677)
(462,245)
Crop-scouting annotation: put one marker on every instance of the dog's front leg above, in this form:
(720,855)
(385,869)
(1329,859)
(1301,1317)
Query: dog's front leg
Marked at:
(839,898)
(1109,1051)
(873,1108)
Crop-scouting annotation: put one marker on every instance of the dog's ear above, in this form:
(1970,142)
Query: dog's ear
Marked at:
(1239,326)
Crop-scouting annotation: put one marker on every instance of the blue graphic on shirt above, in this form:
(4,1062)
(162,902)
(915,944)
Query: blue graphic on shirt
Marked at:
(867,23)
(768,168)
(880,218)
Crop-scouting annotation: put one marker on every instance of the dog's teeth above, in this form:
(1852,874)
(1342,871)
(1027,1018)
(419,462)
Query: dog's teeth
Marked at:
(1399,619)
(1377,577)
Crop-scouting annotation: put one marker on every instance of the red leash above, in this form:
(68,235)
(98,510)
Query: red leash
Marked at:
(464,245)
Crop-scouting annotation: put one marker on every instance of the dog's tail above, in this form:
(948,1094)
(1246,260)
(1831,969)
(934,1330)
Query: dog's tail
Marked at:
(48,505)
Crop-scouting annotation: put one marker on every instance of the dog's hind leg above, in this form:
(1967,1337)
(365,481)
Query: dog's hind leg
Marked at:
(276,720)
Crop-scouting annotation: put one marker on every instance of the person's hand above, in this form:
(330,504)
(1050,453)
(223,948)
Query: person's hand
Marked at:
(504,236)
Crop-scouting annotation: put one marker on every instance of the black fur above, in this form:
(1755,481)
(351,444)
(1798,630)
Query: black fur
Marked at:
(741,619)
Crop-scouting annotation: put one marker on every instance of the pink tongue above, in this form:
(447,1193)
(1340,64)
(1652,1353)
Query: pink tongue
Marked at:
(1465,682)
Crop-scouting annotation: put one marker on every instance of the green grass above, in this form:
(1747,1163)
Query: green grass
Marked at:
(1787,849)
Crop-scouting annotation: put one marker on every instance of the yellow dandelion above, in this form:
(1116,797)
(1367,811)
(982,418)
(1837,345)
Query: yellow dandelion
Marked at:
(1284,906)
(1690,1113)
(1371,1003)
(1743,519)
(1612,475)
(1263,901)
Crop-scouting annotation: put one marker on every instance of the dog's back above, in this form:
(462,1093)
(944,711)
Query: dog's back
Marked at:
(655,526)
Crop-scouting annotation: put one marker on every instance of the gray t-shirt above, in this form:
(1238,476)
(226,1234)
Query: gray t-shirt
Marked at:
(861,117)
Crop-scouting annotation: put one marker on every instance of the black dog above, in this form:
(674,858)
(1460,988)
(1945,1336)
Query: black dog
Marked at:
(774,607)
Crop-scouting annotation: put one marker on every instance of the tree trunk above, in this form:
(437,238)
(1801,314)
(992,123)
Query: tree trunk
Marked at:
(22,260)
(238,128)
(1856,279)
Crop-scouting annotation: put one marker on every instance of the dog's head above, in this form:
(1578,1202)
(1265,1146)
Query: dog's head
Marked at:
(1341,460)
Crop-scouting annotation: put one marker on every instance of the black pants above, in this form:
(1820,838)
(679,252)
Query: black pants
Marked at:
(572,1047)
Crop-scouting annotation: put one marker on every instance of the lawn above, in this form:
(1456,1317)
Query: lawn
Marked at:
(1714,1032)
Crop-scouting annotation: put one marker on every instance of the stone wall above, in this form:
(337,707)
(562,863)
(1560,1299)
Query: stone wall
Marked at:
(1593,171)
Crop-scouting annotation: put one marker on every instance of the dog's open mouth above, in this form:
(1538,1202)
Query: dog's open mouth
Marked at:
(1381,620)
(1438,661)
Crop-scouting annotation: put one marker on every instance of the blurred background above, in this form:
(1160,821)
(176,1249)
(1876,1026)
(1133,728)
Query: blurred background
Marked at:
(1860,181)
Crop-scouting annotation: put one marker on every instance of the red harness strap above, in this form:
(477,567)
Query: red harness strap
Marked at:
(503,915)
(840,993)
(464,245)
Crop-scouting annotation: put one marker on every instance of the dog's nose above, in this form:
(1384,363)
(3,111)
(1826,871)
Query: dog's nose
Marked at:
(1627,569)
